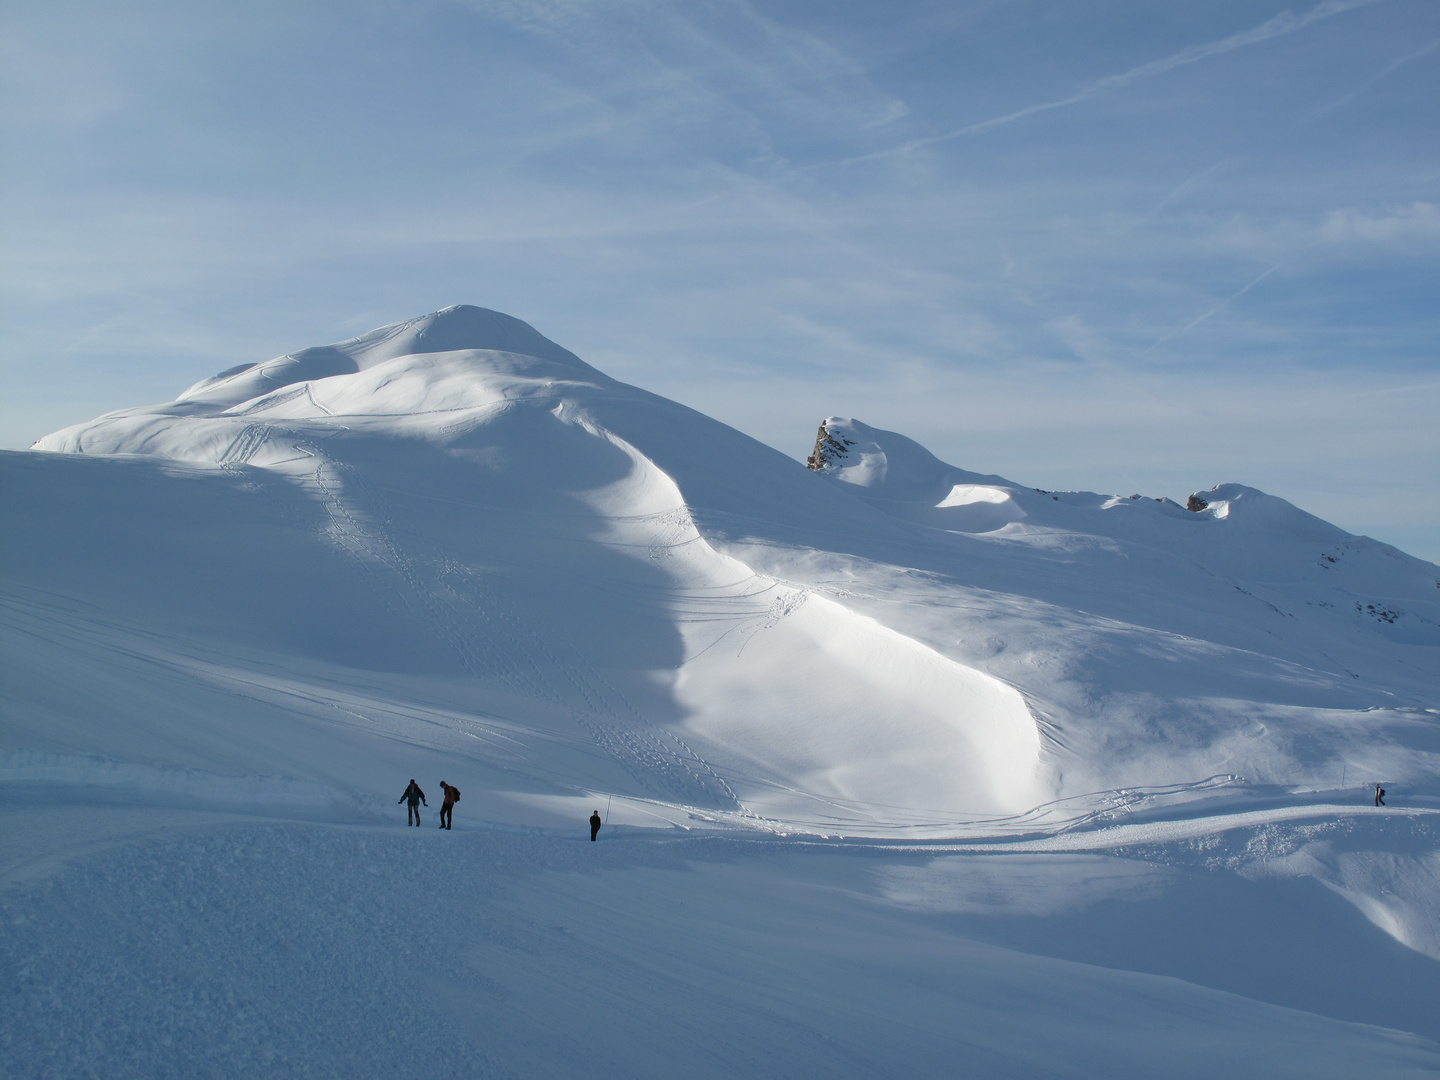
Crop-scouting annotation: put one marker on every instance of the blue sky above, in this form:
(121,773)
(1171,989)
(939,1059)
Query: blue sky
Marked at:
(1120,246)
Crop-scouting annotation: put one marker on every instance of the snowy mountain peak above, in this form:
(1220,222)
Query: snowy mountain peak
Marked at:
(899,475)
(442,457)
(232,625)
(1248,507)
(886,463)
(461,357)
(459,328)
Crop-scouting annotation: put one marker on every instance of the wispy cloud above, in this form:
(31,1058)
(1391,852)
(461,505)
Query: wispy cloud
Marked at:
(1190,184)
(1384,73)
(722,55)
(1417,221)
(1193,323)
(634,177)
(1287,22)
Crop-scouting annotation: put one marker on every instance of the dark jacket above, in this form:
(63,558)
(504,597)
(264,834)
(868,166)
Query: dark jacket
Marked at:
(413,794)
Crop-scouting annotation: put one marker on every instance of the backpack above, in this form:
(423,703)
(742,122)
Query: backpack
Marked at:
(455,794)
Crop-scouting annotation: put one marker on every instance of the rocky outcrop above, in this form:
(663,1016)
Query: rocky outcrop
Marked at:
(1196,504)
(828,449)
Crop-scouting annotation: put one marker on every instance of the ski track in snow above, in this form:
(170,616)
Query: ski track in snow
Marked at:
(246,445)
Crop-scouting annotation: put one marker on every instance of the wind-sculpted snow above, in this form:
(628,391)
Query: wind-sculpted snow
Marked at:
(457,328)
(439,481)
(449,549)
(893,641)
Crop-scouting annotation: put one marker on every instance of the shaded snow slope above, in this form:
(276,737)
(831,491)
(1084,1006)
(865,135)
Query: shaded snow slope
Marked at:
(491,517)
(1024,722)
(915,645)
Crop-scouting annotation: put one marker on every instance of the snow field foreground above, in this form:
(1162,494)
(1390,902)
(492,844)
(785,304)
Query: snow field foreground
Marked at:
(907,770)
(225,947)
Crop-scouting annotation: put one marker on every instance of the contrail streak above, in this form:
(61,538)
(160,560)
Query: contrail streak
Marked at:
(1287,22)
(1216,309)
(1388,70)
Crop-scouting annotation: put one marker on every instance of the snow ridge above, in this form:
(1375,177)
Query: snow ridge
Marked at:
(450,548)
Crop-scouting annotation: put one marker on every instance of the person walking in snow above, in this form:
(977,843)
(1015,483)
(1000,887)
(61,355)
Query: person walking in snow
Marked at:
(594,824)
(414,796)
(447,809)
(1379,795)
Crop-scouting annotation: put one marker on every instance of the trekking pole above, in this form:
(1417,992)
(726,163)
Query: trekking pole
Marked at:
(607,808)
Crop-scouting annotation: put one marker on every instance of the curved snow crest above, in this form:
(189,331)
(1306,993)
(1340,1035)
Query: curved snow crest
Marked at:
(887,463)
(1396,891)
(905,478)
(814,713)
(461,327)
(782,703)
(1232,531)
(897,473)
(831,719)
(734,632)
(1250,508)
(460,358)
(415,395)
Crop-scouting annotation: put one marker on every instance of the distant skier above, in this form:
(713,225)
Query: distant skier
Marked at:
(414,796)
(1379,795)
(452,796)
(594,824)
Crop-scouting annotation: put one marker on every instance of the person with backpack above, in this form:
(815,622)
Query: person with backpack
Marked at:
(1379,795)
(414,796)
(447,809)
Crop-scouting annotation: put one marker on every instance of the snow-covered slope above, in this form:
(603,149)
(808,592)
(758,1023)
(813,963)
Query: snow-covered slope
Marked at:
(1243,635)
(518,523)
(450,548)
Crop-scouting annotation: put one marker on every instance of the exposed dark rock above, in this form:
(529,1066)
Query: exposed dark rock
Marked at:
(827,450)
(1379,614)
(1195,503)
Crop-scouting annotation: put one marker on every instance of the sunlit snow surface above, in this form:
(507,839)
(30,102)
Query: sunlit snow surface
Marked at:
(907,770)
